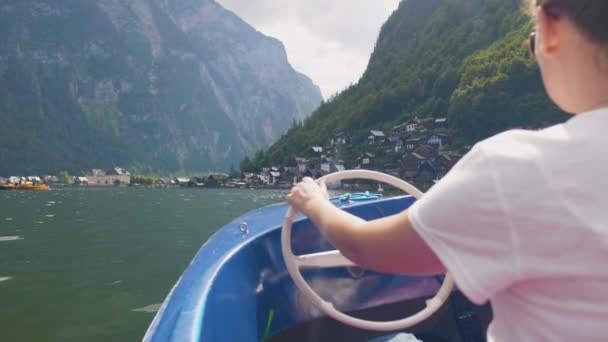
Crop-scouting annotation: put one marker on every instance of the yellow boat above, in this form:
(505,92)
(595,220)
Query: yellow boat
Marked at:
(7,186)
(30,186)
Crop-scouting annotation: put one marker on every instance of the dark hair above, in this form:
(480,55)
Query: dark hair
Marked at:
(588,15)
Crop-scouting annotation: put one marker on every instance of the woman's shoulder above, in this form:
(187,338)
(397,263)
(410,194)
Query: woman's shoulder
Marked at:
(520,144)
(553,134)
(523,156)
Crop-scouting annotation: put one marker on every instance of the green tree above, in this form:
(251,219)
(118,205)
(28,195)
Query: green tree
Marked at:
(64,177)
(142,180)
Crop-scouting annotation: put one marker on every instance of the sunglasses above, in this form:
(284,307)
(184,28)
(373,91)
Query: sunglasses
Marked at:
(532,44)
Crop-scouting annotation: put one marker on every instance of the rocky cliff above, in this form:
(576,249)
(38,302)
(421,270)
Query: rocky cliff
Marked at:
(158,85)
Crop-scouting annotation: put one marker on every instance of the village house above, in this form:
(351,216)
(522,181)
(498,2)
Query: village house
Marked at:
(34,179)
(399,131)
(182,181)
(253,180)
(411,144)
(197,182)
(249,178)
(114,176)
(326,167)
(444,162)
(217,178)
(50,179)
(376,137)
(302,165)
(441,123)
(438,140)
(164,182)
(274,176)
(427,124)
(392,169)
(214,179)
(414,165)
(236,183)
(339,138)
(329,165)
(392,145)
(425,151)
(398,145)
(427,175)
(331,151)
(263,179)
(365,160)
(288,171)
(410,165)
(411,126)
(317,150)
(264,176)
(81,181)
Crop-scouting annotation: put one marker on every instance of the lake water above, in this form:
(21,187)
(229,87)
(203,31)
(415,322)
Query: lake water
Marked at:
(81,264)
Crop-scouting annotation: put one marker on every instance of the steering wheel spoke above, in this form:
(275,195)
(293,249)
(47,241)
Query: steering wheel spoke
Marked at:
(331,259)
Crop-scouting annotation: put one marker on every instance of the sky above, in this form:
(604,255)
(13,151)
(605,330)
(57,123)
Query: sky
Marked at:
(329,41)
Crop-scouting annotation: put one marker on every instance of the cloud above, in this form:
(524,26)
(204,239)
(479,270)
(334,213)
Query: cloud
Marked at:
(329,41)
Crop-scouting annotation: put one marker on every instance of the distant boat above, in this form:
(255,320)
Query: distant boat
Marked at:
(7,187)
(34,187)
(25,186)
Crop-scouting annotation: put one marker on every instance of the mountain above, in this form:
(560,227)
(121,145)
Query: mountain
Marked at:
(465,60)
(154,85)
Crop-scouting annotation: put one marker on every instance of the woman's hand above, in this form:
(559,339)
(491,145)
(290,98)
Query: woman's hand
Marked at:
(307,195)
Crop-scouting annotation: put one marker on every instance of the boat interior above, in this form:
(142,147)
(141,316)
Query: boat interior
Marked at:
(459,320)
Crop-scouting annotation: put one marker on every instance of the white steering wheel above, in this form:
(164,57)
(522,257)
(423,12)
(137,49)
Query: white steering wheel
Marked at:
(334,259)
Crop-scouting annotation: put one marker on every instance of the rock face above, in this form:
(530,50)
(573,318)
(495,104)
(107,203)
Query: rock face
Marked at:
(158,85)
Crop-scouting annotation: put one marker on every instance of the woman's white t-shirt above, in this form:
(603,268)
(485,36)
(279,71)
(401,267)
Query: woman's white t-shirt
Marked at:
(522,220)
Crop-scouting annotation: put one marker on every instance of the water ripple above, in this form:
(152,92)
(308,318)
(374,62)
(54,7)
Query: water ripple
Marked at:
(153,308)
(10,238)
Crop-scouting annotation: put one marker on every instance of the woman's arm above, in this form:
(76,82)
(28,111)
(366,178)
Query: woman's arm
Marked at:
(387,245)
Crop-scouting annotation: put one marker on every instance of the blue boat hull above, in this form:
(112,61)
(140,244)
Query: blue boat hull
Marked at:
(237,287)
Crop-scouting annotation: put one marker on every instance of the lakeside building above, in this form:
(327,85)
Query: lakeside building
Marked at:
(112,177)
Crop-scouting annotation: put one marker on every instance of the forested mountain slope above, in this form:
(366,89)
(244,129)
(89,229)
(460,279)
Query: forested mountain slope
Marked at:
(462,59)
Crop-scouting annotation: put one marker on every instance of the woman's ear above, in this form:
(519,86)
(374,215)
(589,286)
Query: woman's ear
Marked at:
(548,31)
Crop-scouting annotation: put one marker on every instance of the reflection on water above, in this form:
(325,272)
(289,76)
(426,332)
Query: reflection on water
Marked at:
(89,269)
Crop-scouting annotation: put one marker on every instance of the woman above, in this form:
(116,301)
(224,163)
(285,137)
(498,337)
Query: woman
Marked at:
(522,220)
